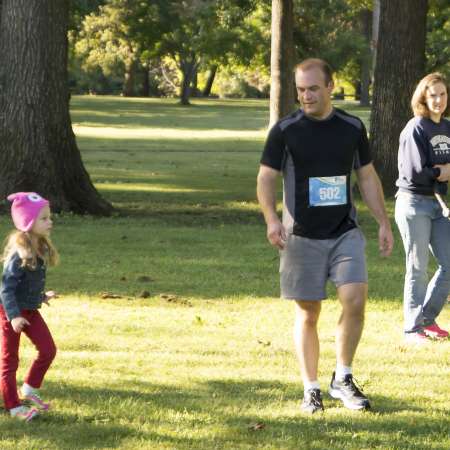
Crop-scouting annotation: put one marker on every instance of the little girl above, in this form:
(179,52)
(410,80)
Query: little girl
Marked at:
(27,253)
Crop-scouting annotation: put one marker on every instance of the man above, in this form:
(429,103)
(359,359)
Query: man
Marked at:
(316,149)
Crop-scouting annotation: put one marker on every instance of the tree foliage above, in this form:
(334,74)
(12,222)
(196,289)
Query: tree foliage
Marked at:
(438,37)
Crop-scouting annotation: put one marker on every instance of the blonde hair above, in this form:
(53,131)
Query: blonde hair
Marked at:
(418,101)
(30,246)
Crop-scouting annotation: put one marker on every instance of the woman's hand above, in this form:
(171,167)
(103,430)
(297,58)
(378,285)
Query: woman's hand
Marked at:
(445,172)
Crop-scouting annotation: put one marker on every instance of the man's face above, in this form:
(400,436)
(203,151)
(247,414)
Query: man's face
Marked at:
(313,94)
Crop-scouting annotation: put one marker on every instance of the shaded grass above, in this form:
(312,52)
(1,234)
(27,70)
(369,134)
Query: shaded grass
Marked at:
(208,354)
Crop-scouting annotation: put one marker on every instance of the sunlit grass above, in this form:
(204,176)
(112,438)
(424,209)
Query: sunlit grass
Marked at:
(198,348)
(141,187)
(162,133)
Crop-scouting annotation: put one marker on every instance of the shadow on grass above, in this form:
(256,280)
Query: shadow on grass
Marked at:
(200,251)
(218,414)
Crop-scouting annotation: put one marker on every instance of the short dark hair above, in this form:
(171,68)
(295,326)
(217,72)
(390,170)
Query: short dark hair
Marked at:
(312,63)
(418,101)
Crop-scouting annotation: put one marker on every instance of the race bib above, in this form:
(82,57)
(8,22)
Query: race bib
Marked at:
(328,191)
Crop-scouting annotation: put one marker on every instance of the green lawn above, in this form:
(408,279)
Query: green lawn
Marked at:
(198,348)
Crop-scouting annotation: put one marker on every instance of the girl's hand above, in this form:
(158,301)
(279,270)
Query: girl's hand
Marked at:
(48,296)
(19,323)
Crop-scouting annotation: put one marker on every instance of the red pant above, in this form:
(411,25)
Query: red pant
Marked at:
(40,336)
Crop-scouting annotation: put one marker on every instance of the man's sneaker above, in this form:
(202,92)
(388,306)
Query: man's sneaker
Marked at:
(435,331)
(348,392)
(312,401)
(24,413)
(36,401)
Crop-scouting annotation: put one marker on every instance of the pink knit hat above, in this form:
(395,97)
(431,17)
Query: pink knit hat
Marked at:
(25,208)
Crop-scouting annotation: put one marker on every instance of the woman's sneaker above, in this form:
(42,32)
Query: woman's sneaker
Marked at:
(24,413)
(435,331)
(417,338)
(35,400)
(347,391)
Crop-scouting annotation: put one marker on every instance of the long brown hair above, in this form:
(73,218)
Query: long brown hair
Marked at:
(30,246)
(418,101)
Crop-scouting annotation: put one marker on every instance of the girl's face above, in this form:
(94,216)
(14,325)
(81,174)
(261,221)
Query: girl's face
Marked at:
(43,224)
(436,99)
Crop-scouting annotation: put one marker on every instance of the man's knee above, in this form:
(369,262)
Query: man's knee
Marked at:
(308,312)
(353,303)
(354,308)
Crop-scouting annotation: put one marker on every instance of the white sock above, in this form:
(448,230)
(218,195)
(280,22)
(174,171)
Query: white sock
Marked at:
(14,411)
(342,371)
(27,389)
(307,385)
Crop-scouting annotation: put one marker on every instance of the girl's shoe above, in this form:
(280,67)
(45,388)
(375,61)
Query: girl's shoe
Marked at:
(24,413)
(36,401)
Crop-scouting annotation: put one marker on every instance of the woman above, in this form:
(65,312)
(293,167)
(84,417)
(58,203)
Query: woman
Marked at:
(424,168)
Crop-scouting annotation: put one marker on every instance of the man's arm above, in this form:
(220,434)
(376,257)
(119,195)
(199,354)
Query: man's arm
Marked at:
(372,194)
(266,192)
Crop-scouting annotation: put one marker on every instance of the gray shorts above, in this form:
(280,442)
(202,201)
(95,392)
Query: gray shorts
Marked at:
(307,264)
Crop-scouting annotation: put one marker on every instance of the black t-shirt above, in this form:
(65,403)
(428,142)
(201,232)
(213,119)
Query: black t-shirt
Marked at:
(317,158)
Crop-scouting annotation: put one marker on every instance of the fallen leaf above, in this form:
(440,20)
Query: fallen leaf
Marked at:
(109,295)
(257,426)
(143,278)
(171,298)
(265,343)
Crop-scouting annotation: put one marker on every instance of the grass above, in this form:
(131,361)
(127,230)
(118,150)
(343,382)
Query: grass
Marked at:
(198,348)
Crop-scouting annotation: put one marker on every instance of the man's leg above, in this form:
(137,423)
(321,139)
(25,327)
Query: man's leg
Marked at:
(307,347)
(348,334)
(306,338)
(353,300)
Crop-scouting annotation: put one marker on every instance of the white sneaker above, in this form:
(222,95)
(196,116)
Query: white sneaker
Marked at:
(24,413)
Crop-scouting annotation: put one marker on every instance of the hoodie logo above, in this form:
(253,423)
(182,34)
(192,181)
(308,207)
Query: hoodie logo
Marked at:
(441,145)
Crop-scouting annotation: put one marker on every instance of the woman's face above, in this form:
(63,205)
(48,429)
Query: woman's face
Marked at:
(436,100)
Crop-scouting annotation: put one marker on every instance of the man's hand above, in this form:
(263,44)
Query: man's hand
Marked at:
(276,234)
(19,323)
(385,240)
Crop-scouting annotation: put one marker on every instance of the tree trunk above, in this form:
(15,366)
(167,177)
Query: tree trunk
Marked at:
(194,85)
(145,92)
(281,61)
(188,68)
(375,30)
(209,82)
(399,66)
(38,151)
(366,60)
(129,79)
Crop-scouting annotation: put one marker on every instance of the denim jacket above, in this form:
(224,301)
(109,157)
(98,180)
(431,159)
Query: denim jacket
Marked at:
(21,288)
